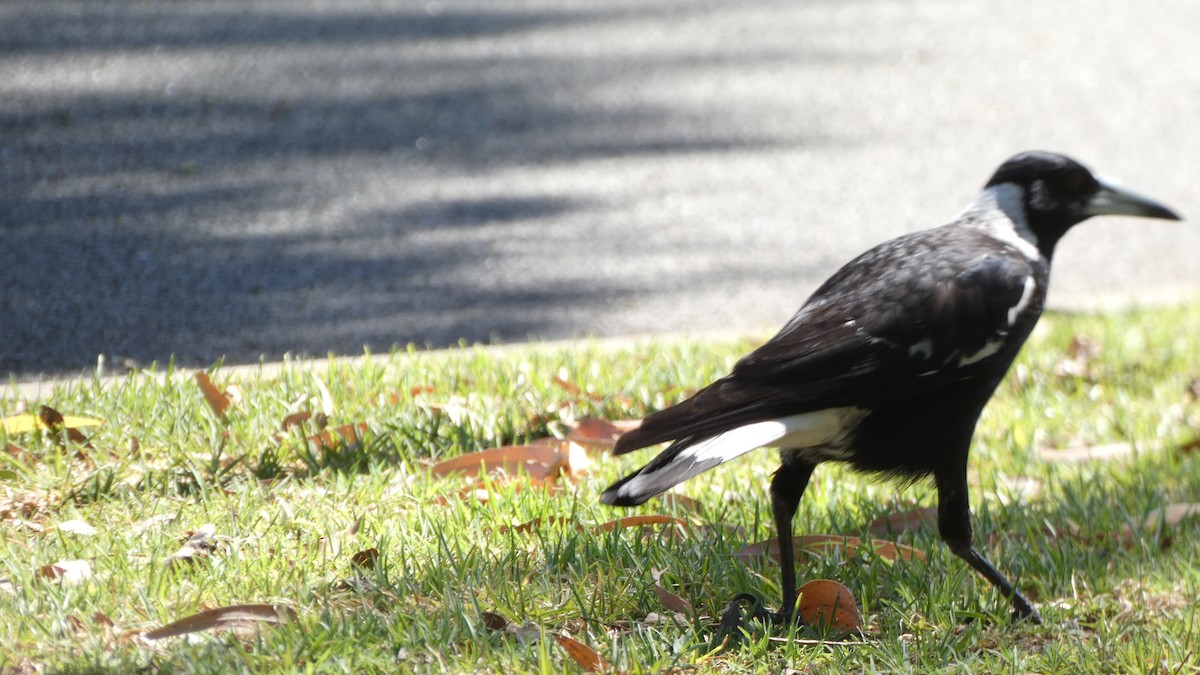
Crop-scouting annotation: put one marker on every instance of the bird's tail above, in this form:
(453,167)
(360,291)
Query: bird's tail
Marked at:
(689,456)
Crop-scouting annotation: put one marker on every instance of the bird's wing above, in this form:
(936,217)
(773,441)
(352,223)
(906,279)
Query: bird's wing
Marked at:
(905,318)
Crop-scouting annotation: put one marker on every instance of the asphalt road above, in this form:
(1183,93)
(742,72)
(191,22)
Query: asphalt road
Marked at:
(249,178)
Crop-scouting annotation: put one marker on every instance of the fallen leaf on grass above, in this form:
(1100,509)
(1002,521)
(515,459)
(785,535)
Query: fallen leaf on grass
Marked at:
(828,543)
(50,418)
(295,419)
(235,617)
(219,401)
(545,459)
(535,461)
(585,656)
(1189,447)
(827,603)
(21,455)
(565,384)
(595,432)
(673,602)
(365,559)
(335,438)
(1161,522)
(493,621)
(907,521)
(67,572)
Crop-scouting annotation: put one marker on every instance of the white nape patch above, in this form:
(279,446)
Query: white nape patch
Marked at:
(924,349)
(1000,211)
(806,430)
(988,349)
(1026,296)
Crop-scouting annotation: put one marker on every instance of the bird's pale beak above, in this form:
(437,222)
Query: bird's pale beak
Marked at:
(1116,200)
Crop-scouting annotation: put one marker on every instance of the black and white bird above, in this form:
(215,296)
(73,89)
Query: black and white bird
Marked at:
(890,362)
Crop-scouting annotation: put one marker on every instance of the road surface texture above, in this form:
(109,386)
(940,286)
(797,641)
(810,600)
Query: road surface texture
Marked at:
(251,178)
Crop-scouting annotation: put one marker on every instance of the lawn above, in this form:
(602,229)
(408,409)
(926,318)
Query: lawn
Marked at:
(311,501)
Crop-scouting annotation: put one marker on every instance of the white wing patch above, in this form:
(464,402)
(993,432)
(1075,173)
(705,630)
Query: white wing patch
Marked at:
(806,430)
(1026,296)
(988,349)
(824,432)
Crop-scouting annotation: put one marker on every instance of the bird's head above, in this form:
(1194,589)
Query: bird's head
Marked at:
(1056,193)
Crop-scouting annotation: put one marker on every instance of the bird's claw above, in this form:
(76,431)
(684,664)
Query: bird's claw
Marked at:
(732,619)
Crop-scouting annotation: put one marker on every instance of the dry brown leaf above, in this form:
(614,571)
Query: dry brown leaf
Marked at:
(21,455)
(365,559)
(828,543)
(635,521)
(907,521)
(47,418)
(565,384)
(55,422)
(598,433)
(215,398)
(827,603)
(1189,447)
(535,461)
(1161,522)
(494,622)
(585,656)
(333,439)
(69,572)
(673,602)
(234,617)
(295,419)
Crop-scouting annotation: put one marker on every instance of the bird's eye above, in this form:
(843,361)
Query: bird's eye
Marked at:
(1074,183)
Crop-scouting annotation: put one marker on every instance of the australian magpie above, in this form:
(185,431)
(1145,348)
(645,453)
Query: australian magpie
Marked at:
(889,363)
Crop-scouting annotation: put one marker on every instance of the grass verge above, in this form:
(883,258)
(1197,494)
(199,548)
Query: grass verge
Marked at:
(169,509)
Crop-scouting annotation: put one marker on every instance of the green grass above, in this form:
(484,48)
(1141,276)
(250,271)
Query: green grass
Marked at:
(288,518)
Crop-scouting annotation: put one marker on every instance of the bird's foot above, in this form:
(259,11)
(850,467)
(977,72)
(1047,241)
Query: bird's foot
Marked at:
(732,619)
(1027,614)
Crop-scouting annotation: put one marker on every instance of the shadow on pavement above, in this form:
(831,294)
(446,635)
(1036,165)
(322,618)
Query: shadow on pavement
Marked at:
(217,215)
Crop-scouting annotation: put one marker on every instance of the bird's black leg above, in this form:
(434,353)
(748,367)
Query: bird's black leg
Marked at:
(954,524)
(787,487)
